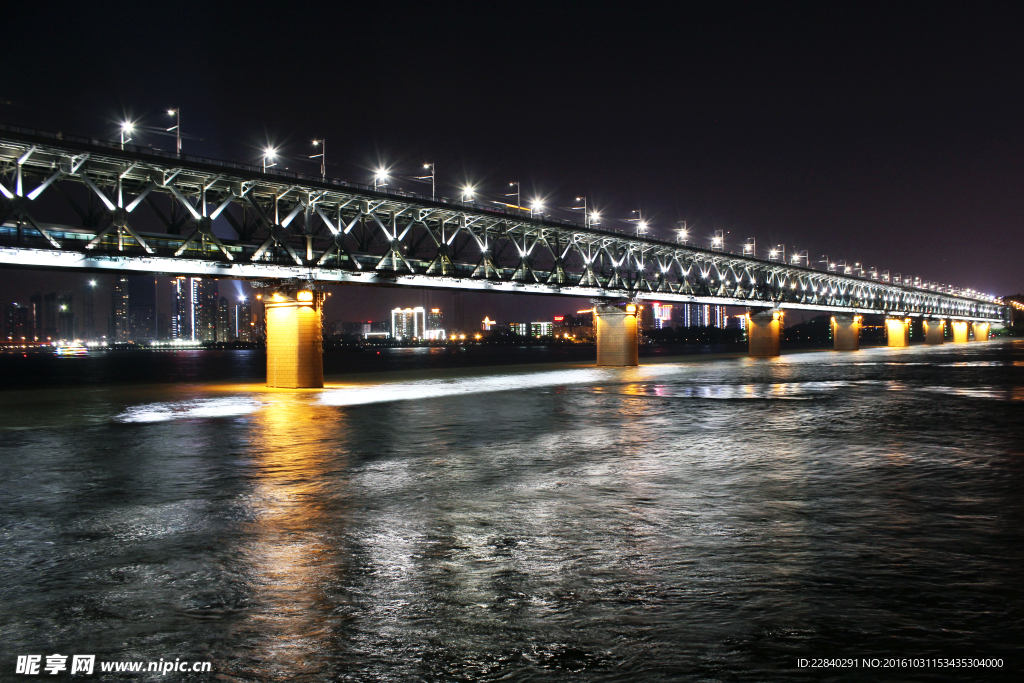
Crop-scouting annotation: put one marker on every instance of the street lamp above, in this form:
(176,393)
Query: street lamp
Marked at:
(322,144)
(516,193)
(269,154)
(595,217)
(380,178)
(641,224)
(433,182)
(682,234)
(176,113)
(750,248)
(127,128)
(586,216)
(536,207)
(468,191)
(718,241)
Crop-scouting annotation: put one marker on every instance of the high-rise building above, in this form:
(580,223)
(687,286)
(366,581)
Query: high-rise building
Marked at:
(435,320)
(717,317)
(195,309)
(183,308)
(121,331)
(16,323)
(207,316)
(244,321)
(408,323)
(225,320)
(541,329)
(142,307)
(661,315)
(702,315)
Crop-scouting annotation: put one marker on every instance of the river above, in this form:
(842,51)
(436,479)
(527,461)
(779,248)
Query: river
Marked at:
(710,518)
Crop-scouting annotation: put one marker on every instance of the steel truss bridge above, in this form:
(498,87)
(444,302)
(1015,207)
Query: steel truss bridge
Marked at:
(297,228)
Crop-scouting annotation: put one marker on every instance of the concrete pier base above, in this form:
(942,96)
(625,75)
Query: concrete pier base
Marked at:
(846,332)
(898,331)
(934,331)
(617,339)
(764,332)
(294,339)
(960,333)
(980,331)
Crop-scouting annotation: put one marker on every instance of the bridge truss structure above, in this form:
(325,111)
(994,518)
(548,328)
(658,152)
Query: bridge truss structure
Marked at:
(143,210)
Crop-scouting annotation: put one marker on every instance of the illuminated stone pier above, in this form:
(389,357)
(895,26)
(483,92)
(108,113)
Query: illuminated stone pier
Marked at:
(764,332)
(617,341)
(897,330)
(934,331)
(294,338)
(980,331)
(846,332)
(960,334)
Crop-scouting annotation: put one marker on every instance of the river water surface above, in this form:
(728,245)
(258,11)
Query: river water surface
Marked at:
(695,519)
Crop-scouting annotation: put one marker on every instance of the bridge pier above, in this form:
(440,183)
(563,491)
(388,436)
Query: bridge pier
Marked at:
(764,332)
(934,331)
(617,338)
(960,334)
(295,357)
(897,330)
(846,332)
(980,331)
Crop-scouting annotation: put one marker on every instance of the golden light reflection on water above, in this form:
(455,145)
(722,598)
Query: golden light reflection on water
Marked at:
(289,551)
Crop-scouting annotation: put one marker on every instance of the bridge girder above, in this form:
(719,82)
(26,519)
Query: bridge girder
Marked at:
(294,226)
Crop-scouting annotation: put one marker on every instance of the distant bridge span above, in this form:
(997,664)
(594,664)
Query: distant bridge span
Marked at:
(297,229)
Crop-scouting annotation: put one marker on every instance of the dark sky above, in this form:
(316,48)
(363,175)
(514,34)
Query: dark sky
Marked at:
(890,135)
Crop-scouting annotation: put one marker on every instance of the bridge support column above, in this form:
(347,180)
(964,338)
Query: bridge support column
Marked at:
(897,330)
(934,331)
(960,335)
(764,332)
(846,332)
(980,331)
(617,338)
(294,338)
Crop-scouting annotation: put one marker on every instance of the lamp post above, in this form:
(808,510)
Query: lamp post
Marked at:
(176,113)
(682,234)
(750,248)
(536,208)
(468,191)
(380,178)
(641,224)
(718,241)
(322,144)
(269,154)
(127,128)
(586,216)
(516,193)
(433,181)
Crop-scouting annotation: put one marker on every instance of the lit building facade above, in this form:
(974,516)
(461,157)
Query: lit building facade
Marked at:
(408,323)
(244,322)
(541,329)
(121,331)
(702,315)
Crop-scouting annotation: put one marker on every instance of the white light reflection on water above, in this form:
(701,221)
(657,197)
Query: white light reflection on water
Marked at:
(197,408)
(406,391)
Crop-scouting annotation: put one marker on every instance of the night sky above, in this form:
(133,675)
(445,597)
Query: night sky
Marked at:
(891,136)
